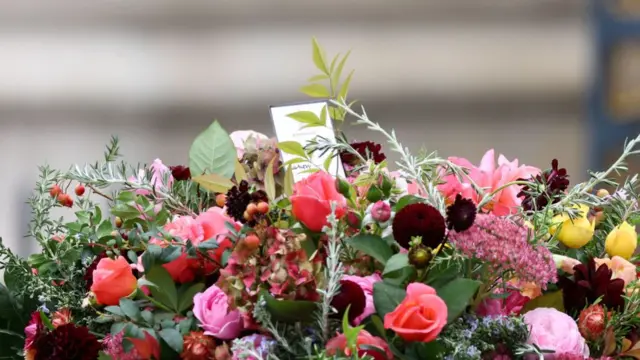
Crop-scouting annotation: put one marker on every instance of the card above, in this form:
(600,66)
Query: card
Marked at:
(288,129)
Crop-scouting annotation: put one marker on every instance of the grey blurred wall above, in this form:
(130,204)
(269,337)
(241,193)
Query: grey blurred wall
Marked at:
(457,76)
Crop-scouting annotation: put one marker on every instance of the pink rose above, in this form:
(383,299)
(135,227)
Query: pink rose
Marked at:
(339,344)
(366,283)
(311,201)
(511,305)
(620,267)
(158,171)
(490,178)
(241,136)
(211,308)
(565,263)
(555,330)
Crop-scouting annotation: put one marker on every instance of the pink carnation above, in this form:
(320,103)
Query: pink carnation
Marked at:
(490,178)
(366,283)
(504,246)
(551,329)
(511,305)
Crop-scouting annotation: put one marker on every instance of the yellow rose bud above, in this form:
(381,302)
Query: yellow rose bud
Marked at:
(622,241)
(574,233)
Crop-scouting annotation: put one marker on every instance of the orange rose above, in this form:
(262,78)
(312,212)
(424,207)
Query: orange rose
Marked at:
(420,316)
(113,280)
(312,197)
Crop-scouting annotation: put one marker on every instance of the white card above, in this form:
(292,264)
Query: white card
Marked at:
(288,129)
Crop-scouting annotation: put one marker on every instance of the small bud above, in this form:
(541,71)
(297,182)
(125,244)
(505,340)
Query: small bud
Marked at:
(55,191)
(386,184)
(252,241)
(602,193)
(381,211)
(353,220)
(252,208)
(65,200)
(599,217)
(263,207)
(118,222)
(374,194)
(343,187)
(420,256)
(79,190)
(221,199)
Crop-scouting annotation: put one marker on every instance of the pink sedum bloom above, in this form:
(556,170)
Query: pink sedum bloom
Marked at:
(366,283)
(557,331)
(489,177)
(211,308)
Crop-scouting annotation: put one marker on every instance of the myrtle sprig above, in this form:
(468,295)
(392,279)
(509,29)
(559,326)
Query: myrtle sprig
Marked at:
(41,226)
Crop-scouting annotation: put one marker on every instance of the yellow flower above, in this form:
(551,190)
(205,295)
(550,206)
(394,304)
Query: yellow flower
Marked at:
(574,233)
(622,241)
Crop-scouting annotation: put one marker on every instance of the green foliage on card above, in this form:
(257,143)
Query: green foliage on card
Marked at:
(329,83)
(213,152)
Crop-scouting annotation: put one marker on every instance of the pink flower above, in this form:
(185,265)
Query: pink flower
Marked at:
(555,330)
(366,283)
(211,308)
(512,305)
(621,268)
(490,178)
(312,197)
(381,211)
(239,137)
(339,344)
(158,171)
(565,263)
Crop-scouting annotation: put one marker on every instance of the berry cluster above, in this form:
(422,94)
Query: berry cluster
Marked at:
(63,198)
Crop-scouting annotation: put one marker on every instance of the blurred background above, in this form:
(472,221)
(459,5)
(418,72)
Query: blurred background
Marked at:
(458,76)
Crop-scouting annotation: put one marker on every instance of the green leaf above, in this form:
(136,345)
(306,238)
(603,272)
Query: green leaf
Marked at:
(288,181)
(269,181)
(290,311)
(549,300)
(213,152)
(165,292)
(214,183)
(115,310)
(333,63)
(130,308)
(318,56)
(344,90)
(173,338)
(315,90)
(338,73)
(386,297)
(117,327)
(186,297)
(240,174)
(103,356)
(46,321)
(407,200)
(371,245)
(305,117)
(318,78)
(147,316)
(457,294)
(125,211)
(327,163)
(323,115)
(295,161)
(395,264)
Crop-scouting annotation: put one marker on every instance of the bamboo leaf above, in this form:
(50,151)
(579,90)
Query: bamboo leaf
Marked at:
(344,90)
(323,115)
(327,163)
(318,56)
(294,161)
(338,73)
(293,148)
(288,181)
(213,183)
(305,117)
(240,174)
(315,90)
(333,63)
(318,78)
(269,181)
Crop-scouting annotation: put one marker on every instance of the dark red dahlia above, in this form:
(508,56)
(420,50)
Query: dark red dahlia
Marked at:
(180,172)
(352,296)
(367,149)
(554,183)
(88,274)
(33,331)
(67,342)
(588,285)
(238,198)
(461,214)
(419,220)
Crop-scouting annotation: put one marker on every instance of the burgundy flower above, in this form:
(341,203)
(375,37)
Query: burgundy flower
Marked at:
(33,331)
(366,149)
(461,214)
(352,296)
(238,198)
(555,182)
(419,220)
(88,274)
(588,285)
(67,342)
(180,172)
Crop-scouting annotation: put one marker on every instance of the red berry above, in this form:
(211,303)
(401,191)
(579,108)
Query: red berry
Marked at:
(55,191)
(252,208)
(80,190)
(65,200)
(118,222)
(252,241)
(221,199)
(263,207)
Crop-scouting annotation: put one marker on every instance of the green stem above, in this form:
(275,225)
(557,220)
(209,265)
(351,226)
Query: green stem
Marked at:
(485,200)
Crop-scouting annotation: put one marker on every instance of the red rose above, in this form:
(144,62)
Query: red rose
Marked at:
(311,201)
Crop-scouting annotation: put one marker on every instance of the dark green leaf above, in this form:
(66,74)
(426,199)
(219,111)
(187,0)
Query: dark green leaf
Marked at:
(104,230)
(371,245)
(186,296)
(395,263)
(213,152)
(173,338)
(133,257)
(210,244)
(115,310)
(166,292)
(147,316)
(457,294)
(184,326)
(553,300)
(289,310)
(130,308)
(407,200)
(170,253)
(386,297)
(151,256)
(125,211)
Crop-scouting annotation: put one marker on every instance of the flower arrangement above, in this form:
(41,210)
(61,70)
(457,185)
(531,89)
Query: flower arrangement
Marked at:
(229,258)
